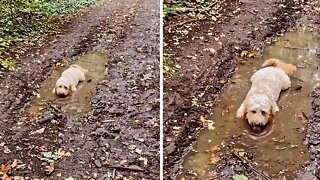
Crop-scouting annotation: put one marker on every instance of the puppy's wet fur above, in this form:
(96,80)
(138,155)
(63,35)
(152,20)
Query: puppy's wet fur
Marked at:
(260,104)
(68,81)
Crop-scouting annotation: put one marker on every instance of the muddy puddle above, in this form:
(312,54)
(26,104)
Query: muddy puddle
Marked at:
(279,151)
(78,104)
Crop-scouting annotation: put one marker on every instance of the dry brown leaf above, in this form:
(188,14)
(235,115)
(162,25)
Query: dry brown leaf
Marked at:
(14,163)
(214,148)
(106,163)
(213,160)
(202,119)
(5,169)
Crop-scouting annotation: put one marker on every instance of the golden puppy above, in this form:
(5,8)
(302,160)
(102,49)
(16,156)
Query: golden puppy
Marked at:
(69,80)
(260,104)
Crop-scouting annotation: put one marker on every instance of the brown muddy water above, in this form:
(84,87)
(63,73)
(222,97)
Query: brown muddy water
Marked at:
(279,151)
(78,104)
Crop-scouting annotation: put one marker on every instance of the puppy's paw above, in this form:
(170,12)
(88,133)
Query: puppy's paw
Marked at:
(239,114)
(73,88)
(275,108)
(241,111)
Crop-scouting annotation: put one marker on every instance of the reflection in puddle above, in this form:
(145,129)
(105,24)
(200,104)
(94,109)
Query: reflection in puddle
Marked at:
(79,103)
(280,150)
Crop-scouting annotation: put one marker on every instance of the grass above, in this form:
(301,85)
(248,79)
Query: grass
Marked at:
(168,65)
(193,8)
(26,20)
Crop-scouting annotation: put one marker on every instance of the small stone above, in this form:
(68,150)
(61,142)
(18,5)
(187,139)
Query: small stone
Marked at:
(97,163)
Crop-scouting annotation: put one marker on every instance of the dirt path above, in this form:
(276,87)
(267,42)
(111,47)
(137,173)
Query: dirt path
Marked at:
(123,127)
(208,56)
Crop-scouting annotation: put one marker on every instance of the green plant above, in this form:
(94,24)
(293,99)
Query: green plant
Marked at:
(8,64)
(192,8)
(168,66)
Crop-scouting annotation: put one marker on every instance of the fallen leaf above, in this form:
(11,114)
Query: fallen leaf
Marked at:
(5,168)
(194,101)
(202,119)
(244,53)
(239,177)
(106,163)
(69,178)
(213,160)
(123,161)
(49,169)
(214,148)
(210,126)
(39,131)
(212,50)
(59,174)
(145,160)
(14,163)
(241,153)
(139,151)
(125,178)
(251,54)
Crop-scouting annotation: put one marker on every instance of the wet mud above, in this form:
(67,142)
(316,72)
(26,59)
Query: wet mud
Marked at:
(111,128)
(208,56)
(78,104)
(283,138)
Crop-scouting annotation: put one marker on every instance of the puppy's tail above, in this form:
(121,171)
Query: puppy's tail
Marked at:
(85,71)
(287,68)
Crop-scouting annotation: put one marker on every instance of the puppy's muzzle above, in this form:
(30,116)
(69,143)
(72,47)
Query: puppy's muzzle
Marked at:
(61,95)
(257,128)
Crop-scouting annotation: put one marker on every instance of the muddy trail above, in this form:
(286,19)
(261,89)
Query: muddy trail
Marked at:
(110,129)
(207,57)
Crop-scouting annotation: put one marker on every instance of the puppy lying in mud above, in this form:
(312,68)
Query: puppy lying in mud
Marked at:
(260,105)
(69,79)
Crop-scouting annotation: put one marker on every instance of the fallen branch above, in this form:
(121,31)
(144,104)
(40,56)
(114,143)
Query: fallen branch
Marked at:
(131,168)
(244,161)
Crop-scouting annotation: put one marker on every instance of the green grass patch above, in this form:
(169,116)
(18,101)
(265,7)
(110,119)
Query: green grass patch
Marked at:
(168,65)
(193,8)
(8,64)
(28,19)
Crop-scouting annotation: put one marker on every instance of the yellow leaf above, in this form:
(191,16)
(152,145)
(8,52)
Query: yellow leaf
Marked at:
(244,53)
(210,126)
(14,163)
(139,151)
(202,119)
(123,161)
(252,54)
(125,178)
(105,163)
(69,178)
(59,64)
(59,174)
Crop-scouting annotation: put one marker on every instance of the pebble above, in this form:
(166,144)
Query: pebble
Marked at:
(97,163)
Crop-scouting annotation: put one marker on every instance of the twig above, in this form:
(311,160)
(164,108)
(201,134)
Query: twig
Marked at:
(113,173)
(244,161)
(131,168)
(289,47)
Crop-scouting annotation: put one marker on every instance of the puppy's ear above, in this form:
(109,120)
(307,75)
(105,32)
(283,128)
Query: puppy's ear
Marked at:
(241,111)
(54,90)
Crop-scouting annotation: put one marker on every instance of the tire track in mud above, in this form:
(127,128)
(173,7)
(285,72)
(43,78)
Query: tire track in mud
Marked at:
(108,28)
(249,25)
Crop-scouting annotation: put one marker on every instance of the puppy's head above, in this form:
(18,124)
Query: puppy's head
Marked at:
(62,89)
(259,112)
